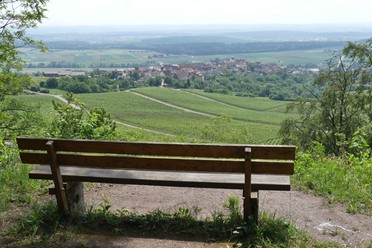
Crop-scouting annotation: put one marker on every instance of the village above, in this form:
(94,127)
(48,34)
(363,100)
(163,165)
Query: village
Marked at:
(184,71)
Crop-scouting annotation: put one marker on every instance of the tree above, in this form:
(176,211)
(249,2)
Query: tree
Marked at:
(155,81)
(341,106)
(52,83)
(16,16)
(71,120)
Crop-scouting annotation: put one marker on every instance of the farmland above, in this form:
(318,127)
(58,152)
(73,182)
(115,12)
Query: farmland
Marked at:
(210,107)
(97,58)
(139,111)
(190,116)
(256,103)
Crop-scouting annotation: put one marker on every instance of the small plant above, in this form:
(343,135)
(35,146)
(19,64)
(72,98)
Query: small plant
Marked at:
(43,223)
(359,147)
(233,206)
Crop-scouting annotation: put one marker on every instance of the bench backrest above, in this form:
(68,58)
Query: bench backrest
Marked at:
(265,159)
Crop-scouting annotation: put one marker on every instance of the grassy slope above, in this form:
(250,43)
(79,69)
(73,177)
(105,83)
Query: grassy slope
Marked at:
(136,110)
(193,102)
(252,103)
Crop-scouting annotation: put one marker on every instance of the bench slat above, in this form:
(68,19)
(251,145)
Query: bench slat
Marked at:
(156,163)
(179,179)
(163,149)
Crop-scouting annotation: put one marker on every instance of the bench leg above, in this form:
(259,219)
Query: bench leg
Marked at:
(75,198)
(251,207)
(254,206)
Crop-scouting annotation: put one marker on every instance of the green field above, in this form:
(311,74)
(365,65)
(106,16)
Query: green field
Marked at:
(252,103)
(313,56)
(189,101)
(256,120)
(86,57)
(121,56)
(44,102)
(139,111)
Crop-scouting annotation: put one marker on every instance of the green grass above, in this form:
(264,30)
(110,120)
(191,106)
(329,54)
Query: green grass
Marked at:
(127,107)
(42,101)
(56,91)
(136,110)
(15,187)
(251,103)
(42,227)
(179,98)
(339,179)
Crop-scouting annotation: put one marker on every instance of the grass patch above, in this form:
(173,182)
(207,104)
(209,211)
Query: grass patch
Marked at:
(44,103)
(15,187)
(43,225)
(337,178)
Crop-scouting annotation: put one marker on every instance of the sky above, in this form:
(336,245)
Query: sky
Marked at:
(192,12)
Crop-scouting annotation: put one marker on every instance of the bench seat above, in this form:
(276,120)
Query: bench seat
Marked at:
(164,178)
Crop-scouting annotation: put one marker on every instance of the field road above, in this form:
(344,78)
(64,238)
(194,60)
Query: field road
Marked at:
(59,97)
(173,106)
(212,100)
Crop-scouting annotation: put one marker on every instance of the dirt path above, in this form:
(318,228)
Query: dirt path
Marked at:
(323,221)
(212,100)
(173,106)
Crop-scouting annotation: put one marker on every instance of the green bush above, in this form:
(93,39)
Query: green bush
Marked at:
(345,179)
(14,183)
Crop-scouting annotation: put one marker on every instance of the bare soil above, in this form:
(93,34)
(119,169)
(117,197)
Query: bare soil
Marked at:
(323,220)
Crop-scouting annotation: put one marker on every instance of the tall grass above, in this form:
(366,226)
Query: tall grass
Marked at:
(15,187)
(338,178)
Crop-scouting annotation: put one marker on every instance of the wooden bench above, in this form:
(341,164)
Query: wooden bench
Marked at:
(247,167)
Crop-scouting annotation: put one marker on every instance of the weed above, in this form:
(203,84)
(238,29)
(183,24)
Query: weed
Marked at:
(341,179)
(43,224)
(14,184)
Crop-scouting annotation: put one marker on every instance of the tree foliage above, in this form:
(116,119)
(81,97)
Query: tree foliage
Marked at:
(72,120)
(342,103)
(16,16)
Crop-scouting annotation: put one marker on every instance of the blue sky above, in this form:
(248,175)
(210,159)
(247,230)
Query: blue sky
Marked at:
(189,12)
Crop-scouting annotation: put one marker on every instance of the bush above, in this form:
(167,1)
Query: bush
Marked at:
(344,179)
(52,83)
(14,183)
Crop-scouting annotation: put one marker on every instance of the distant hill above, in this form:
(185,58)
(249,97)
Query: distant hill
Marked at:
(190,47)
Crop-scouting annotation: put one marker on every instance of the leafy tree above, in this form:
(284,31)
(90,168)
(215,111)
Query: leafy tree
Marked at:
(73,121)
(16,16)
(340,107)
(155,81)
(52,83)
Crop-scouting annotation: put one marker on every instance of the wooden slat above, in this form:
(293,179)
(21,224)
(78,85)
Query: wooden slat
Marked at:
(156,163)
(163,149)
(179,179)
